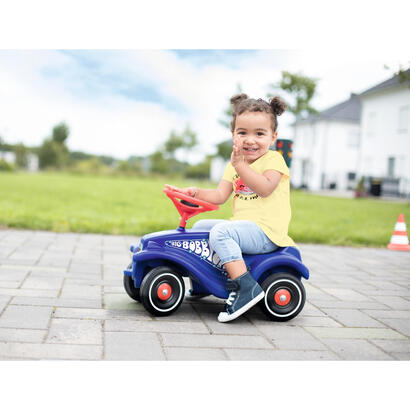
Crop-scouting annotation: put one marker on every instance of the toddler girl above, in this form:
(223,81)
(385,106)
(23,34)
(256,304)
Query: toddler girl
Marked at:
(261,207)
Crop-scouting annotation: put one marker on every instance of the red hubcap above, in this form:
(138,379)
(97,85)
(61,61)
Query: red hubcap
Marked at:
(282,297)
(164,291)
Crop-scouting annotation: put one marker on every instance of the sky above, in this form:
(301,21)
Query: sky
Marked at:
(126,102)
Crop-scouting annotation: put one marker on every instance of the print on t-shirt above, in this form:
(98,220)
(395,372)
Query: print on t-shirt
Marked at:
(241,190)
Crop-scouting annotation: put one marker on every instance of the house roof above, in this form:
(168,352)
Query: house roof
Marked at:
(348,110)
(391,82)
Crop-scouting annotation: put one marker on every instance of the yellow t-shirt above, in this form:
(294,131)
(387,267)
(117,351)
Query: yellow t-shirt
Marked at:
(272,214)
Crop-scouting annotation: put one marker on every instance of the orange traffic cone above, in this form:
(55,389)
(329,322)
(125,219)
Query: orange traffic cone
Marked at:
(399,240)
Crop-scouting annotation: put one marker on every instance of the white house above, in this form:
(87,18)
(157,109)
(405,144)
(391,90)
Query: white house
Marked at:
(326,148)
(385,134)
(32,160)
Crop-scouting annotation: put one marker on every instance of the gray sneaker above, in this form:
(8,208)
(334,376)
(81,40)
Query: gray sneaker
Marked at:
(245,292)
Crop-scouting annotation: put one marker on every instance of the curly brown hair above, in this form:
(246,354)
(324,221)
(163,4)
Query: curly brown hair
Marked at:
(241,103)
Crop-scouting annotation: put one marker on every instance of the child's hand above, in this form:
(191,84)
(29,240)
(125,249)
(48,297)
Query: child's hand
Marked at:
(190,191)
(237,156)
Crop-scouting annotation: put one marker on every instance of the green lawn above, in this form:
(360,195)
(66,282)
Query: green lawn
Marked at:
(126,205)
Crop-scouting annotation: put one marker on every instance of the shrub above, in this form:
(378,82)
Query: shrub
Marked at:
(6,166)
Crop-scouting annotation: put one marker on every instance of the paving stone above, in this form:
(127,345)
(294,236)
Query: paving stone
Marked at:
(262,354)
(47,271)
(82,291)
(42,283)
(54,262)
(322,297)
(8,284)
(22,335)
(26,317)
(302,321)
(13,274)
(394,302)
(114,301)
(290,337)
(380,314)
(66,302)
(394,346)
(387,285)
(85,268)
(387,293)
(138,313)
(132,346)
(50,351)
(310,310)
(352,318)
(17,262)
(113,289)
(3,302)
(78,313)
(401,356)
(354,333)
(240,326)
(218,341)
(401,325)
(348,304)
(51,293)
(353,349)
(184,353)
(155,326)
(184,312)
(75,331)
(30,256)
(347,294)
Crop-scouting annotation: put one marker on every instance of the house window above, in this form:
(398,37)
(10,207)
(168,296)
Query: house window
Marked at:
(371,124)
(353,139)
(390,167)
(351,176)
(404,115)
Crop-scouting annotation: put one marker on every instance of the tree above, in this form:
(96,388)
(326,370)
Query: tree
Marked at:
(199,171)
(158,163)
(54,152)
(300,89)
(224,149)
(60,133)
(173,143)
(402,73)
(21,152)
(185,141)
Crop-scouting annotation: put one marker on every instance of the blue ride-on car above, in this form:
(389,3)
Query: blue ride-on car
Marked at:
(162,259)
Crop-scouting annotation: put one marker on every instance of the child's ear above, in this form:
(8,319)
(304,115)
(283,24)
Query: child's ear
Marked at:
(274,136)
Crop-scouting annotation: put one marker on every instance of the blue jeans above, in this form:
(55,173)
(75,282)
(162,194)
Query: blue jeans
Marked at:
(230,238)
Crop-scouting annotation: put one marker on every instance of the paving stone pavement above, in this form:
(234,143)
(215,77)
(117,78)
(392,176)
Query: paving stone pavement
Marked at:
(61,297)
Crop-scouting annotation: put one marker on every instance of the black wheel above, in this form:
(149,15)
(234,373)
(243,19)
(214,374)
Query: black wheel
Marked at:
(132,291)
(284,297)
(162,291)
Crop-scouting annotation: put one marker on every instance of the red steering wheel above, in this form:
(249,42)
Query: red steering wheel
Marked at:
(188,206)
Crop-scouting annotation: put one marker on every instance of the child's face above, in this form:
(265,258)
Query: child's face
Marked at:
(254,131)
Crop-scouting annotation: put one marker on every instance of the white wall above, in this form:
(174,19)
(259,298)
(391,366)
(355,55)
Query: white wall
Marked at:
(327,147)
(8,156)
(32,160)
(385,132)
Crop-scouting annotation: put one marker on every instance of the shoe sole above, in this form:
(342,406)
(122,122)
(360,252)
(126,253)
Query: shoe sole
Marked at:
(227,318)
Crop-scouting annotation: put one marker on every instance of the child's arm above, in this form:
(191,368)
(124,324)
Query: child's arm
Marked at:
(262,184)
(216,196)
